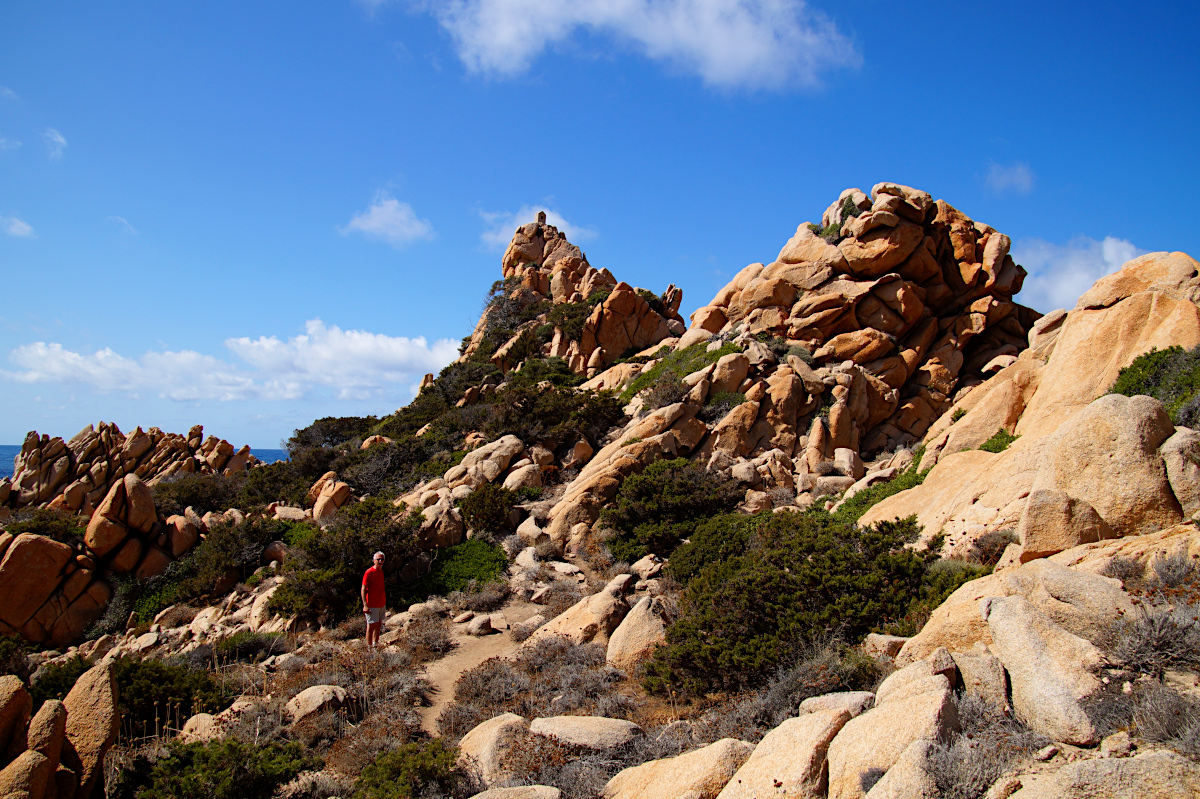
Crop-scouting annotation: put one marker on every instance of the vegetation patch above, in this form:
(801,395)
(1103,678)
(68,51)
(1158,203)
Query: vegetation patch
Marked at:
(57,679)
(486,509)
(655,510)
(1171,376)
(674,365)
(784,580)
(225,769)
(999,441)
(61,526)
(459,568)
(853,509)
(411,770)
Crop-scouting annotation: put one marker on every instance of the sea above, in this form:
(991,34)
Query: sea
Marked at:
(9,452)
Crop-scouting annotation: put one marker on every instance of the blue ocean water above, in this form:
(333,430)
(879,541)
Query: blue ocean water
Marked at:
(9,452)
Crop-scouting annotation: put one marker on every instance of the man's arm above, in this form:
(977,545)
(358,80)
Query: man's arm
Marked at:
(363,592)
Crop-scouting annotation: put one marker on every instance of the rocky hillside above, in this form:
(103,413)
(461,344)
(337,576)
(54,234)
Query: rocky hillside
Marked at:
(867,528)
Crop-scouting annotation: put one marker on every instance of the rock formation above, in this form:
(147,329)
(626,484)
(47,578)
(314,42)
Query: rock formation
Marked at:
(76,475)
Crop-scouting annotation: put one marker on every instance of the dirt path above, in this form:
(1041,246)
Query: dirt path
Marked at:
(443,674)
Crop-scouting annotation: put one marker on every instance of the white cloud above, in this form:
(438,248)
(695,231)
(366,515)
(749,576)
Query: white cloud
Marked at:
(1016,177)
(16,227)
(123,224)
(7,93)
(1060,273)
(55,143)
(390,220)
(728,43)
(9,144)
(353,363)
(502,224)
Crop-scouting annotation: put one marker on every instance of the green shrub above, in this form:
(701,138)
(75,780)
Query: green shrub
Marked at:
(322,579)
(958,414)
(1172,376)
(486,509)
(331,431)
(716,539)
(14,657)
(202,492)
(571,316)
(456,567)
(800,577)
(61,526)
(660,507)
(853,509)
(223,769)
(941,579)
(152,691)
(674,365)
(251,647)
(57,679)
(720,404)
(409,771)
(999,441)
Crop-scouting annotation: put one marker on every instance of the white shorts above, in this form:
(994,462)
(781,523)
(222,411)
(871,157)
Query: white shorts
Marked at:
(374,615)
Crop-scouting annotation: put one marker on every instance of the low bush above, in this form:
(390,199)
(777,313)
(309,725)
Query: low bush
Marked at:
(551,677)
(224,769)
(14,657)
(481,598)
(675,365)
(853,509)
(720,404)
(153,694)
(55,680)
(61,526)
(999,441)
(411,771)
(989,547)
(1155,640)
(1124,569)
(958,414)
(427,637)
(456,568)
(571,316)
(486,509)
(201,492)
(655,510)
(1172,376)
(941,579)
(1150,710)
(799,577)
(250,646)
(988,745)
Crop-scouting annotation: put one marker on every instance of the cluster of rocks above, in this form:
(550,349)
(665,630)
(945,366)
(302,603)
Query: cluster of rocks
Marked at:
(551,269)
(1086,466)
(1024,644)
(76,475)
(59,752)
(912,296)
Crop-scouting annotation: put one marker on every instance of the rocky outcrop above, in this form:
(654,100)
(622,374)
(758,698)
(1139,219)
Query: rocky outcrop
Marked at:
(910,298)
(700,774)
(790,759)
(541,268)
(76,475)
(92,725)
(1134,467)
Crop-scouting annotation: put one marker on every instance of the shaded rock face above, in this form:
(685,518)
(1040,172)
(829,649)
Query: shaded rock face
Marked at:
(541,266)
(76,475)
(911,290)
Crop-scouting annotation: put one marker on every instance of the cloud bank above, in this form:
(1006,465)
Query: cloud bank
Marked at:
(500,225)
(754,44)
(16,227)
(1060,273)
(389,220)
(354,364)
(1015,178)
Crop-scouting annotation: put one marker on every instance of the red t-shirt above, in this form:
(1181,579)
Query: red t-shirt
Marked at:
(373,582)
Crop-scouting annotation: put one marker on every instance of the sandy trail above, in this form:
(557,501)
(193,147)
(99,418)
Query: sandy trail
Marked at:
(443,674)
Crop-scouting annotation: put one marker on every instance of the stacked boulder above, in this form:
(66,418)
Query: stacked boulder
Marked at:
(1085,466)
(76,475)
(60,751)
(551,269)
(902,300)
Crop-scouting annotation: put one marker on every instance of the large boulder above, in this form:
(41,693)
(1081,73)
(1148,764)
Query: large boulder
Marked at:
(26,777)
(15,707)
(1079,601)
(873,742)
(592,618)
(790,759)
(1161,775)
(1107,455)
(638,635)
(92,723)
(315,699)
(697,775)
(520,792)
(1181,456)
(31,570)
(48,730)
(591,732)
(1053,521)
(1050,670)
(485,748)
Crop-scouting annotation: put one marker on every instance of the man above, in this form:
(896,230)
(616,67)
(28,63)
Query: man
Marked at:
(374,599)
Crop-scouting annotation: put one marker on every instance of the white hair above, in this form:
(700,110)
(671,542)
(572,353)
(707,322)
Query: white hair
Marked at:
(379,555)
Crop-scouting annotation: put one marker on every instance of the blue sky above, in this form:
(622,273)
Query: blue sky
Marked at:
(251,215)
